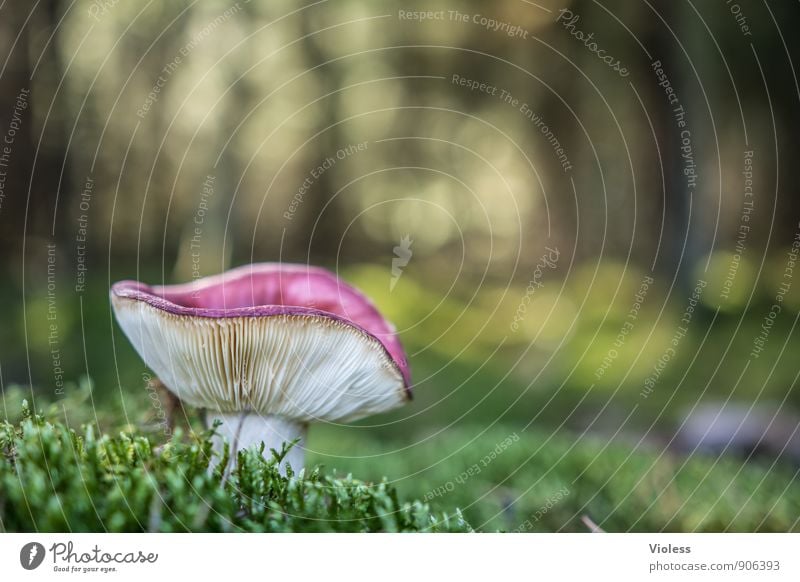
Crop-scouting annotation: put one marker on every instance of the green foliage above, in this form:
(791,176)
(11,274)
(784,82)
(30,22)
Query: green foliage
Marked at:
(548,481)
(54,479)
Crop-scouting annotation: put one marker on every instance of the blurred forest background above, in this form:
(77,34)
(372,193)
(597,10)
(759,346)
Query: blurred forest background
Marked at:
(161,141)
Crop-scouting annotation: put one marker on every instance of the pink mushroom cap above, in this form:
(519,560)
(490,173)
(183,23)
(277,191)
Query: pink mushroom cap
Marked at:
(268,299)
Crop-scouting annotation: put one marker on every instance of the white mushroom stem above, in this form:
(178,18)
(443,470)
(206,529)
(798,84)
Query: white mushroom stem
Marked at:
(244,430)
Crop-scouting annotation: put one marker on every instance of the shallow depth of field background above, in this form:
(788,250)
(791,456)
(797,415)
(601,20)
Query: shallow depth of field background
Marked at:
(164,141)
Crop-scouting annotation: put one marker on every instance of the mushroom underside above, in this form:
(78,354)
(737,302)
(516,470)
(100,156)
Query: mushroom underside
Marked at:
(301,367)
(267,349)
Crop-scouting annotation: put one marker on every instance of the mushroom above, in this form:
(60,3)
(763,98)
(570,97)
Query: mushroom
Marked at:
(267,349)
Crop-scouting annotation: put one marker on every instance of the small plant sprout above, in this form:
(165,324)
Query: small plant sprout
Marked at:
(267,349)
(402,254)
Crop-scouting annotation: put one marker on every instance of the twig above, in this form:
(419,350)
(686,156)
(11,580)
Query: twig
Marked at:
(593,527)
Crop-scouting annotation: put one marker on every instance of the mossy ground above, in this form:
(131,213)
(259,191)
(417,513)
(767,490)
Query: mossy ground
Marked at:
(56,478)
(53,478)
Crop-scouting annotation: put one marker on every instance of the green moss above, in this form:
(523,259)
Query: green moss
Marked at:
(54,479)
(548,481)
